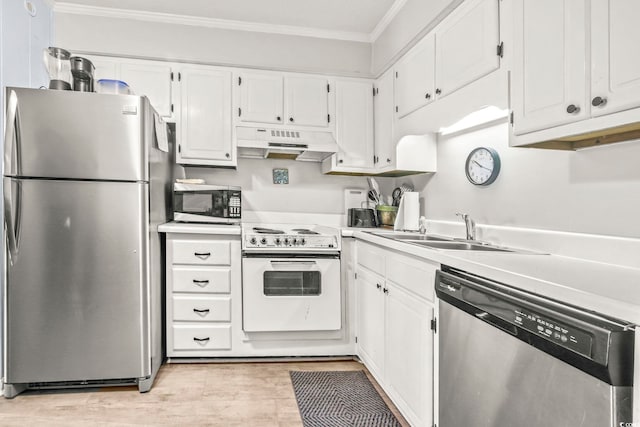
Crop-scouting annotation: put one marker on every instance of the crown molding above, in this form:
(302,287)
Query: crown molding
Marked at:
(167,18)
(386,20)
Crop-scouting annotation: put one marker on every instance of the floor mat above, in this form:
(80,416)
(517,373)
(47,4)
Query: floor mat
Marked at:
(340,399)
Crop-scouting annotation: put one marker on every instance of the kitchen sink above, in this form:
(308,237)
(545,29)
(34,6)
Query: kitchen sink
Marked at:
(412,236)
(460,246)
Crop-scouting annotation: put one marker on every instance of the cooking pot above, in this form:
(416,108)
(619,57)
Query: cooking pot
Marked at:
(361,217)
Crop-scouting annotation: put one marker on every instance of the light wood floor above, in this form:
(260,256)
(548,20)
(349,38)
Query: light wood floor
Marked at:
(230,394)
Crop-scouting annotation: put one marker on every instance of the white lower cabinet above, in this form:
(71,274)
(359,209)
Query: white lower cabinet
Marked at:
(395,309)
(203,283)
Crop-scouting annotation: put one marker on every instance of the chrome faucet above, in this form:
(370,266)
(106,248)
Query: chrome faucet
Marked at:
(470,224)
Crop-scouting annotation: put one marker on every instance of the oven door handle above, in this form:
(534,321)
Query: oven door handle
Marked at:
(292,262)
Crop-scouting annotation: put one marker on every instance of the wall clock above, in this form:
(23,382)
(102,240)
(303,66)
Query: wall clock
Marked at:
(483,166)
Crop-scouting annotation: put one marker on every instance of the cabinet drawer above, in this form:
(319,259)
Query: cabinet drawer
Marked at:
(201,337)
(204,252)
(413,274)
(201,309)
(201,279)
(371,257)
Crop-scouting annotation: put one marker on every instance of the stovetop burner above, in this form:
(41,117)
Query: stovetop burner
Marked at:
(262,230)
(304,231)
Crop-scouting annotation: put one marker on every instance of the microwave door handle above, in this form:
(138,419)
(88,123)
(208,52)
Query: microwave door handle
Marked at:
(12,136)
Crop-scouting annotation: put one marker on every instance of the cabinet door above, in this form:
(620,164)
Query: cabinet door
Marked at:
(385,145)
(370,312)
(549,75)
(205,125)
(415,77)
(105,68)
(354,123)
(615,35)
(307,101)
(409,354)
(151,79)
(261,98)
(466,46)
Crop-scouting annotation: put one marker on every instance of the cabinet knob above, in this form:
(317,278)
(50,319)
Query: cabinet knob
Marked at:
(599,101)
(438,91)
(428,96)
(388,160)
(291,119)
(573,109)
(279,118)
(378,286)
(340,161)
(385,290)
(227,155)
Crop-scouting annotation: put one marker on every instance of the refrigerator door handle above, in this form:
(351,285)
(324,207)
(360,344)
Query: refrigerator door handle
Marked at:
(12,226)
(12,136)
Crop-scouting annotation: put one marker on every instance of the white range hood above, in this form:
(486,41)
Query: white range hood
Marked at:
(269,143)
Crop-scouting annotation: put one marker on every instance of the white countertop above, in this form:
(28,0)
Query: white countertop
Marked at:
(190,228)
(604,288)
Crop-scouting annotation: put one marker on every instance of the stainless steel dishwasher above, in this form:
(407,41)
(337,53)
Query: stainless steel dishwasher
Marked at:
(511,358)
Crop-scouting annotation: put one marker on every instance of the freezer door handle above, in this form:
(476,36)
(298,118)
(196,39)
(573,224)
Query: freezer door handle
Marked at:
(12,224)
(12,136)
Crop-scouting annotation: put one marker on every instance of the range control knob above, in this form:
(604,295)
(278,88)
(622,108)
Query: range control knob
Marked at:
(278,241)
(295,241)
(263,241)
(286,240)
(303,241)
(253,241)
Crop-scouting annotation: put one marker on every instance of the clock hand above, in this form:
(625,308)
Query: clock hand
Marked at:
(482,166)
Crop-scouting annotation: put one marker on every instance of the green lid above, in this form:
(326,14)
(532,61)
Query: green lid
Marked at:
(387,208)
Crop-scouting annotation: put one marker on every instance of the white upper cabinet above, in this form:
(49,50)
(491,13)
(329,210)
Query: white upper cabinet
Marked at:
(415,77)
(466,45)
(261,98)
(549,71)
(307,101)
(152,79)
(204,128)
(383,108)
(354,123)
(615,36)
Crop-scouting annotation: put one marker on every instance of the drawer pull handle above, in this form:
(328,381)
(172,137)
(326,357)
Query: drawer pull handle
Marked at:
(201,340)
(202,255)
(199,311)
(201,283)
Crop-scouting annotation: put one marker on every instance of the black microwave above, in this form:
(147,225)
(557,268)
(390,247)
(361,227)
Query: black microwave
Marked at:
(206,203)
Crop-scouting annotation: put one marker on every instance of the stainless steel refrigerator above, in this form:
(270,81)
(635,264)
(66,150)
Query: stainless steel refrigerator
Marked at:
(85,187)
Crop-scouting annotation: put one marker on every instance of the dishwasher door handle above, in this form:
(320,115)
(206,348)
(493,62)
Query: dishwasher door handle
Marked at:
(497,322)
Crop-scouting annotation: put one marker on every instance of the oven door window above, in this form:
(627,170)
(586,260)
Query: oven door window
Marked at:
(292,283)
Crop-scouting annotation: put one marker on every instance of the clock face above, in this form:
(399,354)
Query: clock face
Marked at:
(483,166)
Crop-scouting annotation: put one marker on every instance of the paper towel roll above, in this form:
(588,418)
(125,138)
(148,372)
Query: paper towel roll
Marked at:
(411,210)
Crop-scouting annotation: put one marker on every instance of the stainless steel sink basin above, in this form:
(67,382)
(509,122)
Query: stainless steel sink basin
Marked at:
(460,246)
(412,236)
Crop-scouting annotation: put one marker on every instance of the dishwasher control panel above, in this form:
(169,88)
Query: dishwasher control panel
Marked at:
(566,336)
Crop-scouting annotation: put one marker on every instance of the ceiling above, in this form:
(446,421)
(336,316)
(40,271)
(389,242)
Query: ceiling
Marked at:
(361,19)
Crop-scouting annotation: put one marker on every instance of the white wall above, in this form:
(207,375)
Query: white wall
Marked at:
(308,191)
(588,191)
(154,40)
(412,22)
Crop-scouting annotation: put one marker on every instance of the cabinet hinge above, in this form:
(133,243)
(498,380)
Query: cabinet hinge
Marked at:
(239,112)
(500,49)
(356,340)
(396,74)
(434,325)
(374,91)
(328,88)
(179,149)
(239,80)
(396,108)
(511,118)
(172,108)
(179,77)
(172,76)
(328,118)
(355,275)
